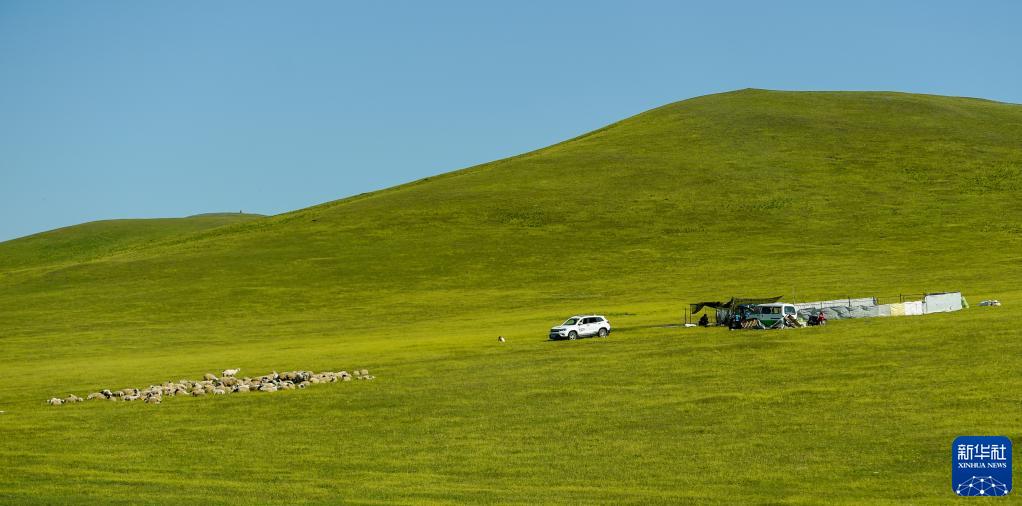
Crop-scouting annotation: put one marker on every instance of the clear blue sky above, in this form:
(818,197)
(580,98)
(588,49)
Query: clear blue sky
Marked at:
(152,109)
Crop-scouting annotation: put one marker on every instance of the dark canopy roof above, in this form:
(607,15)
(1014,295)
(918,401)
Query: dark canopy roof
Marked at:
(733,303)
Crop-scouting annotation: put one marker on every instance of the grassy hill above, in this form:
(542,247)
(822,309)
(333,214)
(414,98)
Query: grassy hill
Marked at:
(96,239)
(745,193)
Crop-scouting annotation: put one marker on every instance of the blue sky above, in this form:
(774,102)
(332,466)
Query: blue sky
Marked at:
(155,109)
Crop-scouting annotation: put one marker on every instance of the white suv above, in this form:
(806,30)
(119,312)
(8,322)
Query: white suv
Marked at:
(581,326)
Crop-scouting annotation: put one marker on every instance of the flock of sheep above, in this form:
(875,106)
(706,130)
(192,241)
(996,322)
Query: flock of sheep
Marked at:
(211,385)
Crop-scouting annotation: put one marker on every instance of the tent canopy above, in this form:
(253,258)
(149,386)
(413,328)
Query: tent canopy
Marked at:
(733,303)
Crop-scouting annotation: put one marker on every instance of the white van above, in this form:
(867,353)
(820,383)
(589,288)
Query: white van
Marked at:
(770,314)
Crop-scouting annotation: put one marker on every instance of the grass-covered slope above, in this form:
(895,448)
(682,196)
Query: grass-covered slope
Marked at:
(854,191)
(102,238)
(744,193)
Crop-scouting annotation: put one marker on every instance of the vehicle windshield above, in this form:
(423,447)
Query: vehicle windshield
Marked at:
(570,321)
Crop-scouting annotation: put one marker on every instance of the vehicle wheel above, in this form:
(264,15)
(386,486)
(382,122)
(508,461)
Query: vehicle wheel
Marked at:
(573,335)
(602,333)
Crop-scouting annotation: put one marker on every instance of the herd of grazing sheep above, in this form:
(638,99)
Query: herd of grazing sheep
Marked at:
(211,385)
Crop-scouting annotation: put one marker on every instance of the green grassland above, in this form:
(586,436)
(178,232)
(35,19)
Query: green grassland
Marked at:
(752,193)
(97,239)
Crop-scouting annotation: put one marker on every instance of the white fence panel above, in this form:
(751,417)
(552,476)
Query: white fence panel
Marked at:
(942,302)
(914,308)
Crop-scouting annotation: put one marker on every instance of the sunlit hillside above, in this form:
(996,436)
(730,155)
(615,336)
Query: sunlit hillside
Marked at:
(753,192)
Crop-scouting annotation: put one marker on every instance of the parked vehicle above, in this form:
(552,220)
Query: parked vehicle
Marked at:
(770,314)
(581,326)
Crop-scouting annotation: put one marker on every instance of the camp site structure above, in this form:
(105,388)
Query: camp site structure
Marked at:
(834,309)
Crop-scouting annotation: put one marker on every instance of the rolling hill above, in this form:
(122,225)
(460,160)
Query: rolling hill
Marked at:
(96,239)
(753,192)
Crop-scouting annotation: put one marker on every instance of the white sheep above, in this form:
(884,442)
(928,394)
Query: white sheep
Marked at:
(229,383)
